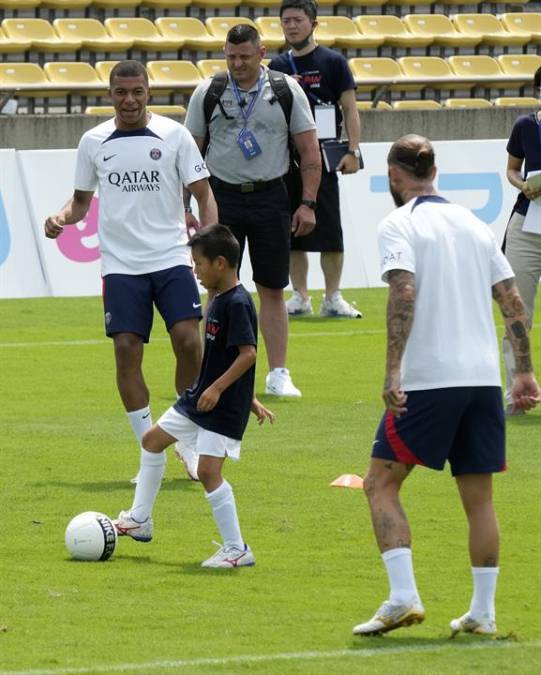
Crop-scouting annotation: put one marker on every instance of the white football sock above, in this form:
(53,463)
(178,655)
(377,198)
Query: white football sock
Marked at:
(399,565)
(484,592)
(141,421)
(148,485)
(224,510)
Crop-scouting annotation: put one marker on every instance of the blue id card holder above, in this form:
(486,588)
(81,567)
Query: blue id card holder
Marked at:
(248,144)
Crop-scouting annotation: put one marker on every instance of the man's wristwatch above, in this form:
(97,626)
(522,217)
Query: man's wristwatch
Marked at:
(356,153)
(310,203)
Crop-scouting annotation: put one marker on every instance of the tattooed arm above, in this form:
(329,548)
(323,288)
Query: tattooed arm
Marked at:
(400,311)
(525,392)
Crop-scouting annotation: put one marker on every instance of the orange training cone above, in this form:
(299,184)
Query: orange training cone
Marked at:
(348,480)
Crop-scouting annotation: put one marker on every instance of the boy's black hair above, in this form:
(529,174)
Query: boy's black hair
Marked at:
(309,7)
(128,68)
(241,33)
(215,240)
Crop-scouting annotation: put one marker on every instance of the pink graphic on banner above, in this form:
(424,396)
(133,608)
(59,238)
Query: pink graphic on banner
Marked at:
(71,242)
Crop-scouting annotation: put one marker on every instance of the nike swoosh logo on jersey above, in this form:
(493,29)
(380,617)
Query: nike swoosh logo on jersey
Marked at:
(106,159)
(195,305)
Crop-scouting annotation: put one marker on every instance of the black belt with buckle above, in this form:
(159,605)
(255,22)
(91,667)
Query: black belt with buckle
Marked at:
(256,186)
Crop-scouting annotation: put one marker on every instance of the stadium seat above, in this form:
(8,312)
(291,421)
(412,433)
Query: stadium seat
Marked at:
(366,69)
(492,31)
(270,30)
(66,4)
(354,4)
(40,33)
(432,69)
(344,34)
(523,23)
(144,34)
(192,31)
(524,65)
(209,67)
(229,5)
(104,68)
(441,29)
(367,105)
(219,26)
(177,75)
(92,34)
(516,102)
(109,111)
(467,103)
(263,4)
(166,4)
(73,75)
(115,4)
(482,69)
(23,75)
(423,104)
(19,4)
(393,30)
(411,3)
(12,45)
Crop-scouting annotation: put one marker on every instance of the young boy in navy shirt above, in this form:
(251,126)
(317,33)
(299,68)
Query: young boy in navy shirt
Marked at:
(210,418)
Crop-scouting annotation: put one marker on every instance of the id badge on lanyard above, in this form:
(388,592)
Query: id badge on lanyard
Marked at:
(325,118)
(248,144)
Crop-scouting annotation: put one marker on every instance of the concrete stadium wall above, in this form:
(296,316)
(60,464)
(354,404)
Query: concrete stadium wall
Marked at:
(40,132)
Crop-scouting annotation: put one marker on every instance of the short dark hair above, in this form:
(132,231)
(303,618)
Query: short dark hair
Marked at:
(537,78)
(216,240)
(414,154)
(128,68)
(309,7)
(243,32)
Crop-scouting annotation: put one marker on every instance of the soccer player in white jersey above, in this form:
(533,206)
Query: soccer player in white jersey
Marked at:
(442,385)
(139,162)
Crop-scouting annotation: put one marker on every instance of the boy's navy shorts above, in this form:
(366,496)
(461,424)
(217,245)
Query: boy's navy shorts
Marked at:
(463,425)
(129,299)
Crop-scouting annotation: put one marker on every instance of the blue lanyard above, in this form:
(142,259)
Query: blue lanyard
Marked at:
(246,113)
(296,72)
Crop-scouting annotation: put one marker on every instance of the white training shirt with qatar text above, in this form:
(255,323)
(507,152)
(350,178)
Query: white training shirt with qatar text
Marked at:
(456,260)
(139,175)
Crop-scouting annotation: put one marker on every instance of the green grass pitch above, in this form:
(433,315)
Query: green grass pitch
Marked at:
(66,447)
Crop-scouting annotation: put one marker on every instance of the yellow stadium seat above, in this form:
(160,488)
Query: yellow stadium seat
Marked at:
(516,102)
(104,68)
(467,103)
(366,73)
(393,30)
(482,69)
(441,29)
(115,4)
(66,4)
(24,75)
(426,104)
(263,4)
(492,31)
(367,105)
(219,26)
(270,30)
(144,34)
(523,23)
(523,65)
(40,33)
(189,29)
(217,4)
(327,3)
(12,45)
(363,3)
(166,4)
(431,68)
(344,34)
(92,34)
(409,3)
(209,67)
(74,74)
(19,4)
(100,110)
(178,75)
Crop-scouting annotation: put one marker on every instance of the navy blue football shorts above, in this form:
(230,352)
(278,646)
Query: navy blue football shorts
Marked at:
(463,425)
(129,299)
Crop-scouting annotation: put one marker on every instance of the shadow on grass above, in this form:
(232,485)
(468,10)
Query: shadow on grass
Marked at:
(176,484)
(399,640)
(527,420)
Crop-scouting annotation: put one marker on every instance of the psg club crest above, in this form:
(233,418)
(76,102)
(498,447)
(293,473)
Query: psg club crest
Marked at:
(155,153)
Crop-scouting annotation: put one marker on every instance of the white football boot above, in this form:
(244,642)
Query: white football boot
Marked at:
(390,617)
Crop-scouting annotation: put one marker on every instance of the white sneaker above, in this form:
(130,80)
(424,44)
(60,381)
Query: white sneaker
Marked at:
(125,525)
(298,306)
(230,557)
(337,306)
(467,624)
(389,617)
(189,458)
(278,383)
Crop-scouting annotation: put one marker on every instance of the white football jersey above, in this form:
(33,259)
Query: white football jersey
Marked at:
(139,176)
(456,260)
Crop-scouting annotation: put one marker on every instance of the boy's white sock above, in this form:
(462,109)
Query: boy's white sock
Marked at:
(484,592)
(150,478)
(399,565)
(224,510)
(141,421)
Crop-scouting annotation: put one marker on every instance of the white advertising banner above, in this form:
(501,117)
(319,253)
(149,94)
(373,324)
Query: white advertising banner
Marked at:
(34,184)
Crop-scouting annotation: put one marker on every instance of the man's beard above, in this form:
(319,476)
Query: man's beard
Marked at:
(301,45)
(396,196)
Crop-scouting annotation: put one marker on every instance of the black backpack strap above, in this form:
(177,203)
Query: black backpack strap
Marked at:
(283,94)
(211,100)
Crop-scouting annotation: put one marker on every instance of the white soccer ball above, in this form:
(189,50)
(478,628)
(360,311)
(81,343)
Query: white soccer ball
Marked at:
(91,536)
